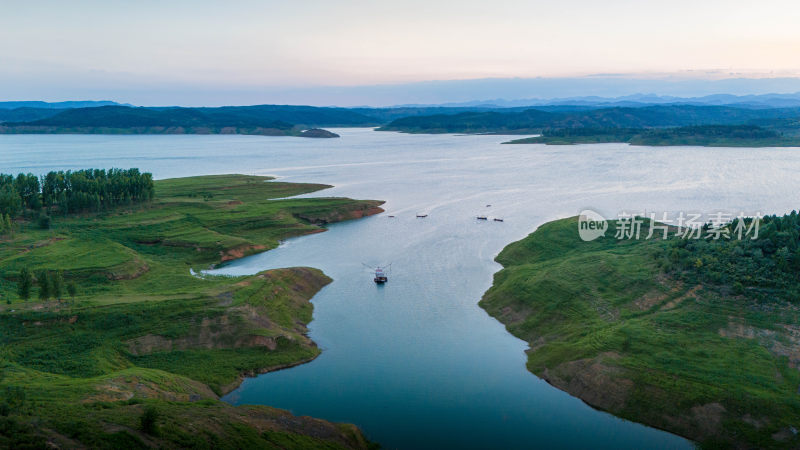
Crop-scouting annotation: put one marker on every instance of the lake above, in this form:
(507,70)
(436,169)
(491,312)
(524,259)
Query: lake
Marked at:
(416,363)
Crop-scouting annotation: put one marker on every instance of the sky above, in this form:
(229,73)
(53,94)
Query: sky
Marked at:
(233,52)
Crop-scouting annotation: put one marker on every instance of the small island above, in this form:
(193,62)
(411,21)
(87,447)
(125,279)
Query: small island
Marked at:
(113,337)
(696,337)
(705,136)
(318,133)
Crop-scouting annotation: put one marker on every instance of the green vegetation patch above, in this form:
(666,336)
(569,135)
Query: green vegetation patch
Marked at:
(706,136)
(138,353)
(637,328)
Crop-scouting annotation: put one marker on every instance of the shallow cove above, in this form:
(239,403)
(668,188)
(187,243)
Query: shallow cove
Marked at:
(417,363)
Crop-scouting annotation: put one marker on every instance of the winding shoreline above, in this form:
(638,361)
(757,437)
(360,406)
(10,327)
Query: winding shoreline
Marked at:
(634,341)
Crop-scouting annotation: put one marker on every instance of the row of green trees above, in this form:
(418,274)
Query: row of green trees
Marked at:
(51,285)
(74,191)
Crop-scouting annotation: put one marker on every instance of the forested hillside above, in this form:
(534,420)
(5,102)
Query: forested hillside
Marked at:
(270,120)
(534,120)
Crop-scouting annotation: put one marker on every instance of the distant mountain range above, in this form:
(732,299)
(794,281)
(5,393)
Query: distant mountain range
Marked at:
(56,105)
(763,101)
(639,111)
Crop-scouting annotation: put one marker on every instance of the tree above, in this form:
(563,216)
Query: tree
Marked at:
(148,420)
(14,397)
(8,225)
(10,201)
(57,281)
(44,284)
(24,284)
(44,221)
(72,290)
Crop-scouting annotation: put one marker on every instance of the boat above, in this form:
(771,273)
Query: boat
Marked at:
(421,216)
(498,220)
(380,275)
(391,217)
(483,218)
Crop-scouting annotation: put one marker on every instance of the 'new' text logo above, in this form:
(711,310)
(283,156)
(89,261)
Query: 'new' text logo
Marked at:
(591,225)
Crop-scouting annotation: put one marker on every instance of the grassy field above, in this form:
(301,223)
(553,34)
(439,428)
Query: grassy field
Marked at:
(607,322)
(143,337)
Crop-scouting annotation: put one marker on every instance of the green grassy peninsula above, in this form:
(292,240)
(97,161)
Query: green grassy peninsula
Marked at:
(109,339)
(697,337)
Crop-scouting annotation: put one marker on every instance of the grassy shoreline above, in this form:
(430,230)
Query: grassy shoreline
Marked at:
(701,136)
(754,143)
(608,323)
(143,333)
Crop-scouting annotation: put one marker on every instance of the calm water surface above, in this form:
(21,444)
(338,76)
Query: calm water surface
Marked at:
(416,363)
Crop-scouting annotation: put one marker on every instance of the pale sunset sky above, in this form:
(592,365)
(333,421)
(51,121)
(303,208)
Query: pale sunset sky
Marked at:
(204,52)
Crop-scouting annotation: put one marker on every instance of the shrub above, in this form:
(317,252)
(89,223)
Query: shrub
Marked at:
(43,279)
(57,285)
(24,284)
(148,420)
(44,221)
(72,290)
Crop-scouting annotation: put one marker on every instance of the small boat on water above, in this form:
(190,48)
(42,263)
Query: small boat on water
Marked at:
(498,220)
(482,218)
(380,276)
(421,216)
(391,217)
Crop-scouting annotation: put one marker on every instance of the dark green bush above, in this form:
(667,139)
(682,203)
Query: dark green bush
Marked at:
(148,420)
